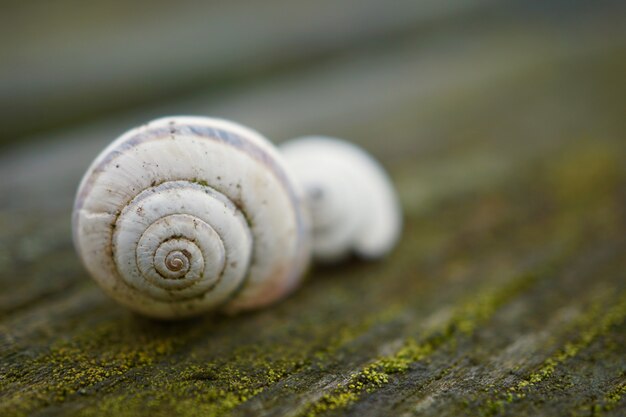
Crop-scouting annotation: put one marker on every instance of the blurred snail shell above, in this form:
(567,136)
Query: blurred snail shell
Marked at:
(353,204)
(189,214)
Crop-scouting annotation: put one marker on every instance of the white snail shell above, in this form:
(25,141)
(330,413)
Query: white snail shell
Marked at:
(353,204)
(189,214)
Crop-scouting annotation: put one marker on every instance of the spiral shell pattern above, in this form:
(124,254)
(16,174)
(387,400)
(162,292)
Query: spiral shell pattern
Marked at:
(186,215)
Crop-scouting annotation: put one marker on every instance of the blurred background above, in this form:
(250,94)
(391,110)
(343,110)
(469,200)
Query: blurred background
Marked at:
(404,79)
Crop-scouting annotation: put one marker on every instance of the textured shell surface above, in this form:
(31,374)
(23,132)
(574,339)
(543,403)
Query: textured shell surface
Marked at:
(353,204)
(190,214)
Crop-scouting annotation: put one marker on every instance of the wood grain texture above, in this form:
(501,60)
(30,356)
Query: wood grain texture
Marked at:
(505,296)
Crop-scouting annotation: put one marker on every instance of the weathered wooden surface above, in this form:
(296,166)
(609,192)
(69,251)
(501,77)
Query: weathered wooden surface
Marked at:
(506,295)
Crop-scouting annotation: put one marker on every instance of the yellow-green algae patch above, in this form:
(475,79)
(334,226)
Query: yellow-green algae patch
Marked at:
(600,325)
(463,322)
(612,399)
(609,402)
(197,390)
(217,386)
(73,366)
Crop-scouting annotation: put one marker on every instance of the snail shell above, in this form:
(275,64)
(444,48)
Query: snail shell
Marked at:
(189,214)
(353,204)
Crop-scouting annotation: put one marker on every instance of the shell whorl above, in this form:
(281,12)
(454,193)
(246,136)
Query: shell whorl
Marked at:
(188,214)
(178,240)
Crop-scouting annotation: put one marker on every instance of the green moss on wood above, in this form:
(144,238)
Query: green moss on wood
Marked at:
(591,326)
(479,308)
